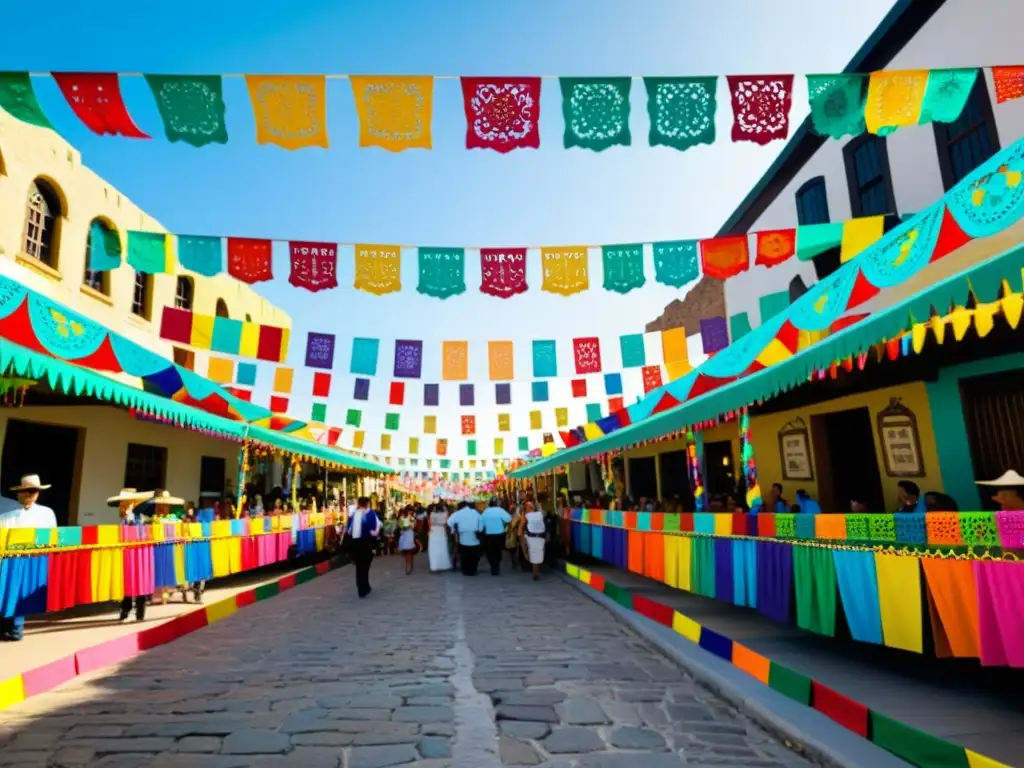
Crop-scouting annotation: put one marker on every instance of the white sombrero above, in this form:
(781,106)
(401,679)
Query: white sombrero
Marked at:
(1009,479)
(30,483)
(166,499)
(130,494)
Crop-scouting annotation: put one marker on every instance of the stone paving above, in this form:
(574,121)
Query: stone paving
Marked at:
(436,671)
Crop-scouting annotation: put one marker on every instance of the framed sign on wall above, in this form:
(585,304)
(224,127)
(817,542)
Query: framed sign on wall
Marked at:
(900,440)
(795,451)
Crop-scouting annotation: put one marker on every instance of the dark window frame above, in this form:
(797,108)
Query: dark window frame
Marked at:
(142,295)
(145,465)
(806,189)
(853,182)
(221,309)
(96,281)
(944,143)
(184,292)
(44,210)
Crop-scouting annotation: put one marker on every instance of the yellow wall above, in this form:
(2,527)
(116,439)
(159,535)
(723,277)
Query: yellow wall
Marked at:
(27,153)
(107,434)
(765,437)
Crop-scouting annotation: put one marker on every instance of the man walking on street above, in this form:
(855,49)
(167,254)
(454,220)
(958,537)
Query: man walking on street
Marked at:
(494,520)
(466,523)
(362,530)
(27,513)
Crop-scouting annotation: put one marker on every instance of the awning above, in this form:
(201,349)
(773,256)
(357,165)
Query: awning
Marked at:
(768,360)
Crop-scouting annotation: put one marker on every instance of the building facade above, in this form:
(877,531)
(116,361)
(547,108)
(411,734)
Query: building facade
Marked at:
(52,211)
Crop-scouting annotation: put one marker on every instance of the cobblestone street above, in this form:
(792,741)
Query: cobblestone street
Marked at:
(431,670)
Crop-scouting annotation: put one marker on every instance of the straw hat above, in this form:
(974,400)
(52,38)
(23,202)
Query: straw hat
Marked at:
(130,494)
(30,483)
(165,498)
(1009,479)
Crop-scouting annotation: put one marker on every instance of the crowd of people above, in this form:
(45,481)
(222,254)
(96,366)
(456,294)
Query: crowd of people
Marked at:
(452,538)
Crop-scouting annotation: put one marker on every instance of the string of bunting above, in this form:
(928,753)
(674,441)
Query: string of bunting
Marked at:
(565,270)
(395,112)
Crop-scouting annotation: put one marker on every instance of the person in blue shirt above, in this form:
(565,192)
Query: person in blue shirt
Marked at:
(362,531)
(467,524)
(494,520)
(909,494)
(806,504)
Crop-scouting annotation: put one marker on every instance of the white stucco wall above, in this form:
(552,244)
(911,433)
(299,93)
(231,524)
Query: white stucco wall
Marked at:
(963,33)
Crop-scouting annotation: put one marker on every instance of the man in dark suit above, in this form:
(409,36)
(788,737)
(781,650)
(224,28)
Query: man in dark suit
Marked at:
(362,531)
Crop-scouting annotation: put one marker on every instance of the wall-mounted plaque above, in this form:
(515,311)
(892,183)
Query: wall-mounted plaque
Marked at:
(795,451)
(901,443)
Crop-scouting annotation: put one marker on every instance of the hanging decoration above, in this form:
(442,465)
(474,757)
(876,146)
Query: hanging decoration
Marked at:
(454,360)
(714,334)
(545,359)
(192,108)
(587,353)
(395,112)
(250,260)
(18,99)
(623,267)
(502,113)
(724,257)
(314,266)
(320,350)
(502,271)
(894,99)
(378,269)
(565,270)
(775,246)
(442,272)
(596,112)
(104,247)
(837,104)
(290,110)
(693,465)
(200,254)
(408,359)
(1009,82)
(96,100)
(681,111)
(946,94)
(501,360)
(760,105)
(675,263)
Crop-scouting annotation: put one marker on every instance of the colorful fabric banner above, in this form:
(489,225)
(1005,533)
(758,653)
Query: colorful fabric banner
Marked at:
(250,260)
(545,359)
(104,247)
(200,254)
(96,100)
(454,360)
(192,108)
(364,356)
(673,345)
(894,99)
(504,422)
(430,425)
(442,272)
(814,239)
(675,262)
(385,442)
(579,387)
(290,110)
(561,417)
(396,393)
(471,447)
(634,354)
(467,396)
(221,370)
(283,378)
(773,304)
(724,257)
(947,94)
(321,384)
(760,106)
(501,360)
(320,350)
(408,359)
(681,111)
(314,265)
(837,104)
(441,447)
(587,354)
(148,252)
(652,377)
(623,267)
(524,444)
(18,99)
(468,424)
(596,112)
(278,404)
(318,412)
(503,394)
(539,391)
(613,383)
(392,421)
(247,374)
(431,394)
(361,389)
(1009,82)
(499,446)
(503,271)
(739,326)
(378,269)
(858,234)
(395,112)
(414,445)
(775,247)
(899,600)
(502,113)
(714,334)
(358,438)
(535,420)
(565,270)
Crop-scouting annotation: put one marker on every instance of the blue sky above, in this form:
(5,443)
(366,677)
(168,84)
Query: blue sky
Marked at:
(447,196)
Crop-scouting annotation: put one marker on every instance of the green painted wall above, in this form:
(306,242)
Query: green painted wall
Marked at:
(951,428)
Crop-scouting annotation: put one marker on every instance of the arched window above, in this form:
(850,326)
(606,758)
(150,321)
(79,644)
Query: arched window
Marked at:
(183,293)
(812,202)
(222,308)
(142,295)
(102,245)
(868,176)
(42,216)
(968,141)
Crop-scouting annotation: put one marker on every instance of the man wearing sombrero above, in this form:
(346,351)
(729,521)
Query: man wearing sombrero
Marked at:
(1009,490)
(29,514)
(126,502)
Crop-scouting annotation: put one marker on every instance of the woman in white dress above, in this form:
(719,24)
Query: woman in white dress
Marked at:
(531,528)
(437,542)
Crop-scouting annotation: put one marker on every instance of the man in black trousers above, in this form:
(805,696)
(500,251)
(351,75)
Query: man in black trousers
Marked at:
(362,531)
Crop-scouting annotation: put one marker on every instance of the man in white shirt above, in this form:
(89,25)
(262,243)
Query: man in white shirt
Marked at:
(468,525)
(29,514)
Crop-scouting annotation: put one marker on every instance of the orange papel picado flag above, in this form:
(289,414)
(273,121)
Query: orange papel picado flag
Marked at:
(395,112)
(501,361)
(290,110)
(454,360)
(565,270)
